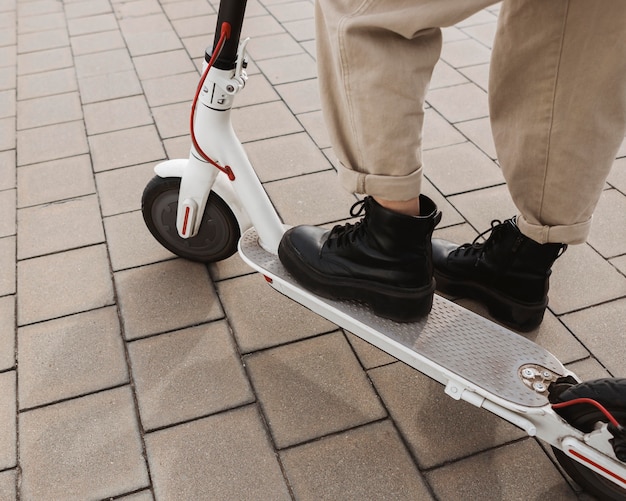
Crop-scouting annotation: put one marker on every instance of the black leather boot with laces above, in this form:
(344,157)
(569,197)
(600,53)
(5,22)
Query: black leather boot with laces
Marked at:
(384,260)
(508,272)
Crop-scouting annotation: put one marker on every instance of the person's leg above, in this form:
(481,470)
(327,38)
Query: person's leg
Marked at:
(375,61)
(558,111)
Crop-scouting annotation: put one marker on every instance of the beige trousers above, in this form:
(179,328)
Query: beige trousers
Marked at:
(557,99)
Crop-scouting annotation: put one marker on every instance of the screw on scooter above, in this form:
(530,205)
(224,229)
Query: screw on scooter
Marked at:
(209,205)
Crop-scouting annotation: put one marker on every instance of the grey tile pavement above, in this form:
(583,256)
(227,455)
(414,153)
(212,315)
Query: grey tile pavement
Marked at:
(128,373)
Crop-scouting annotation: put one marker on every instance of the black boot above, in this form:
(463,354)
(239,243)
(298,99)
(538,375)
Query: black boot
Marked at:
(509,273)
(383,260)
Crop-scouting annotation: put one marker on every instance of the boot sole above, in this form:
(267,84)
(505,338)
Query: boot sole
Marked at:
(395,303)
(520,316)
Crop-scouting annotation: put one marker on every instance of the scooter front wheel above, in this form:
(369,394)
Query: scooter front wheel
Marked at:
(611,393)
(219,231)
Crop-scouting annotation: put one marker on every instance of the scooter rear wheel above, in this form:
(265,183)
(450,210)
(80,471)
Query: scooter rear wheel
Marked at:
(219,231)
(611,393)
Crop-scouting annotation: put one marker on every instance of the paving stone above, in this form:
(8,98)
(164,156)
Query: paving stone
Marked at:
(136,8)
(59,226)
(187,8)
(588,369)
(460,168)
(478,74)
(52,82)
(82,448)
(38,8)
(71,356)
(7,265)
(258,26)
(54,181)
(130,242)
(232,267)
(7,133)
(289,68)
(301,30)
(7,332)
(7,208)
(49,110)
(368,354)
(313,123)
(8,56)
(301,97)
(439,132)
(291,11)
(272,46)
(8,437)
(8,480)
(198,25)
(459,103)
(187,374)
(610,214)
(102,63)
(171,89)
(312,388)
(479,133)
(367,463)
(139,496)
(424,414)
(311,199)
(7,103)
(64,283)
(276,319)
(96,42)
(257,91)
(572,287)
(172,120)
(483,206)
(92,24)
(86,9)
(514,472)
(288,156)
(44,60)
(484,33)
(42,40)
(163,64)
(41,22)
(117,114)
(7,77)
(149,34)
(600,329)
(109,86)
(51,142)
(466,52)
(164,297)
(213,455)
(120,189)
(251,123)
(125,147)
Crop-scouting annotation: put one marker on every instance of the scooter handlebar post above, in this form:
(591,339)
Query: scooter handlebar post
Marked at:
(231,12)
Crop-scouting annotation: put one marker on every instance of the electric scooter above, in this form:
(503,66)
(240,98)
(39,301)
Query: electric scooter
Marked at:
(211,205)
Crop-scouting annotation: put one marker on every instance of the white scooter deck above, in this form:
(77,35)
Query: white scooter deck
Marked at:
(451,345)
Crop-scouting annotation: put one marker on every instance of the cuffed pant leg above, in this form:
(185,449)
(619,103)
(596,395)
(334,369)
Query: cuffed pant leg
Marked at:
(558,109)
(375,60)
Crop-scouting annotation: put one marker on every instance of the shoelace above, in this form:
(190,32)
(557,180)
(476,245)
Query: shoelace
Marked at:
(477,247)
(341,235)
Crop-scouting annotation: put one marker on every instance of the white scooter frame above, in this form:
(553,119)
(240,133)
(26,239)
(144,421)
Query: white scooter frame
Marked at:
(453,346)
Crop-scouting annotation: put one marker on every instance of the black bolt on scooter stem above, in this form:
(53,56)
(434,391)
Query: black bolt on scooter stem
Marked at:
(231,12)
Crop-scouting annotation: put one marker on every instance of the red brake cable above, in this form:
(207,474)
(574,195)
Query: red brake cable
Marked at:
(602,409)
(224,35)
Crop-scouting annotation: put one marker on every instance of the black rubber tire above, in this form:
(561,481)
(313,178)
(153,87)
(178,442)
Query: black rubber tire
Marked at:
(219,231)
(611,393)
